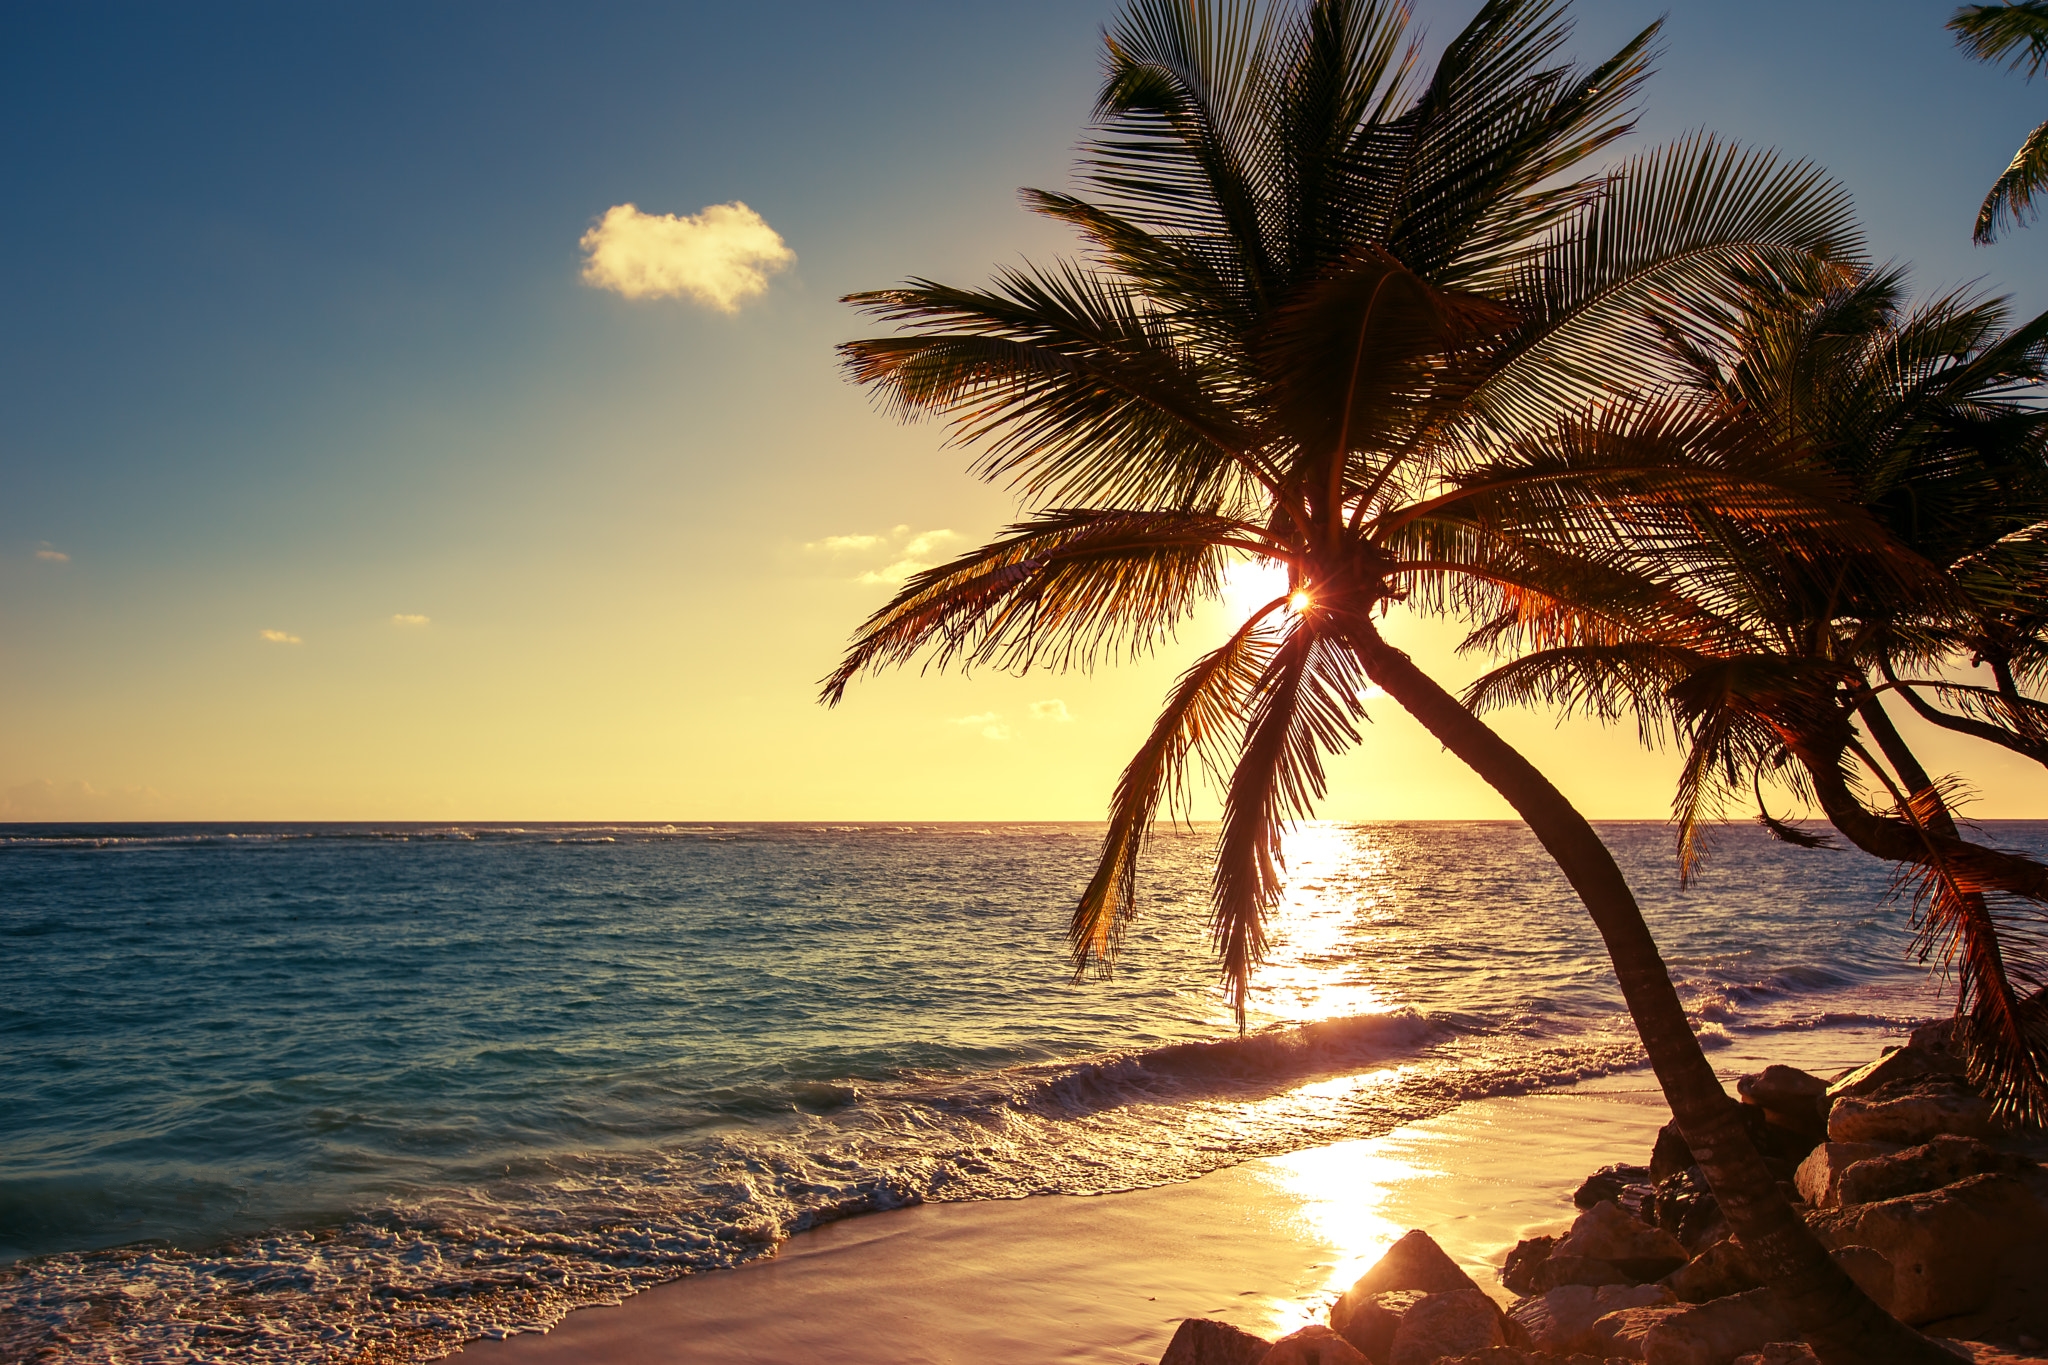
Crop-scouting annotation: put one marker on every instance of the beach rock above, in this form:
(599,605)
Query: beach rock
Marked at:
(1205,1341)
(1670,1156)
(1605,1233)
(1609,1182)
(1562,1320)
(1511,1355)
(1819,1177)
(1686,1209)
(1414,1262)
(1871,1271)
(1910,1112)
(1983,1353)
(1946,1247)
(1894,1065)
(1941,1161)
(1559,1271)
(1718,1270)
(1313,1345)
(1455,1322)
(1518,1273)
(1781,1353)
(1790,1098)
(1716,1333)
(1370,1321)
(1621,1334)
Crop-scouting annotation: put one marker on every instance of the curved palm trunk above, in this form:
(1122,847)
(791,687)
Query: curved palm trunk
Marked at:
(1843,1326)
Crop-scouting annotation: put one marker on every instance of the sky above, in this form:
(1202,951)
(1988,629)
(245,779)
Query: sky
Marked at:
(364,453)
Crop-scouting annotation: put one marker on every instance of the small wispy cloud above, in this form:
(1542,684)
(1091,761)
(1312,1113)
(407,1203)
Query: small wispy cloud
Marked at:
(279,637)
(50,556)
(407,618)
(719,257)
(990,723)
(911,553)
(1054,709)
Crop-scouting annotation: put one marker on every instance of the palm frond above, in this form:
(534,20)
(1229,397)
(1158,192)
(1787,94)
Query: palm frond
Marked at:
(2011,202)
(1990,32)
(1201,713)
(1304,707)
(1058,590)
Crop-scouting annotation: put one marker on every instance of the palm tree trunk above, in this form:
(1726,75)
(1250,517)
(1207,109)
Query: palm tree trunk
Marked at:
(1837,1319)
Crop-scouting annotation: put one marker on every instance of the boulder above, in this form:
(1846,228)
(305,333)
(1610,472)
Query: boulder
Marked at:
(1716,1333)
(1871,1271)
(1454,1322)
(1313,1345)
(1605,1233)
(1819,1177)
(1561,1321)
(1518,1273)
(1910,1112)
(1414,1262)
(1686,1209)
(1670,1155)
(1894,1065)
(1621,1334)
(1204,1341)
(1608,1183)
(1789,1097)
(1946,1247)
(1940,1161)
(1580,1270)
(1781,1353)
(1720,1269)
(1511,1355)
(1369,1321)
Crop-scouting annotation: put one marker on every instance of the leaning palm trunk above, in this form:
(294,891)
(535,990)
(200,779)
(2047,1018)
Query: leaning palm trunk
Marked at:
(1835,1317)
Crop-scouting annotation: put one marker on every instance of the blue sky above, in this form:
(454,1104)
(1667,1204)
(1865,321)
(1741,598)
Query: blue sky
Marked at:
(294,341)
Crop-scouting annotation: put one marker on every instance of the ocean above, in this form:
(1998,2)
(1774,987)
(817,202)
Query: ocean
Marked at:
(360,1092)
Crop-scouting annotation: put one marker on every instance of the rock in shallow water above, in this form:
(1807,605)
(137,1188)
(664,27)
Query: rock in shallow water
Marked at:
(1205,1341)
(1414,1262)
(1605,1233)
(1518,1273)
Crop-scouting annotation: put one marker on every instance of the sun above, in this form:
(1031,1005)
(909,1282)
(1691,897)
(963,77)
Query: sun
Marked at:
(1299,601)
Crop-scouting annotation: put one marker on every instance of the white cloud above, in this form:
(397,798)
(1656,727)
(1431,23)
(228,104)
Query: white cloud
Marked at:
(720,257)
(407,618)
(49,556)
(910,554)
(1055,709)
(990,723)
(279,637)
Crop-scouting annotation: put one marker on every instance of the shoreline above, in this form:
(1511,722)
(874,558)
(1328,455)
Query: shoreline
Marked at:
(1105,1279)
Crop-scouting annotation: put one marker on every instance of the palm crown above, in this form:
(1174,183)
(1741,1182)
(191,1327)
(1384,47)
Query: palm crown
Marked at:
(1322,295)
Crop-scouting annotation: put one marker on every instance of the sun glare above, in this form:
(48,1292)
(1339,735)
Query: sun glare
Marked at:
(1299,601)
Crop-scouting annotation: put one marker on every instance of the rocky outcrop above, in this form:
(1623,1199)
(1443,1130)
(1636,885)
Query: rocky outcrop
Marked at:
(1561,1321)
(1946,1247)
(1942,1160)
(1621,1184)
(1455,1322)
(1518,1273)
(1909,1112)
(1205,1341)
(1313,1345)
(1819,1177)
(1414,1262)
(1781,1353)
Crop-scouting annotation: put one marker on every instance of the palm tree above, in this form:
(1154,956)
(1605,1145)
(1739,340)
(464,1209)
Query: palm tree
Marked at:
(1989,33)
(1319,283)
(1761,661)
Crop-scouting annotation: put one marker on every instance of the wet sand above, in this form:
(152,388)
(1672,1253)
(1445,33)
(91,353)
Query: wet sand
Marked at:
(1106,1279)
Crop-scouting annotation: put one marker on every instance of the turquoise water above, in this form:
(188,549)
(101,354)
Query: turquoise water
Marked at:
(305,1092)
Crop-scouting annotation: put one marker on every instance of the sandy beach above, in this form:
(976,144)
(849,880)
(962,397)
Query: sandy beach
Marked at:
(1106,1279)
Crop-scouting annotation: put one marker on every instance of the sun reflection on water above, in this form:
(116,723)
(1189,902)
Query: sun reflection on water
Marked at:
(1321,935)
